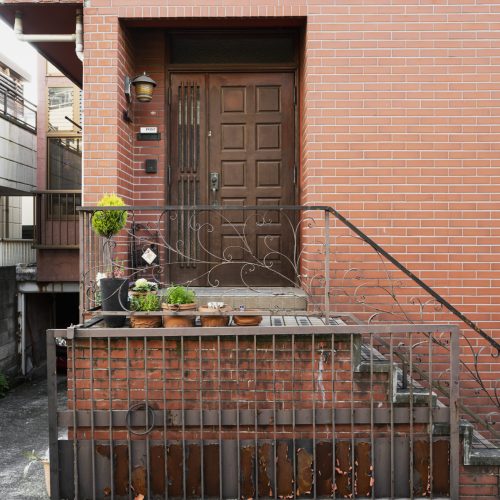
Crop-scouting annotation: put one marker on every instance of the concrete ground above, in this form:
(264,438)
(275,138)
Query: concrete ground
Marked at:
(24,428)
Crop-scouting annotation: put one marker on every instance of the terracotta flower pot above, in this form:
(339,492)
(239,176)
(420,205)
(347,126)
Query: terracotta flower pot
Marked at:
(247,320)
(178,321)
(145,321)
(214,320)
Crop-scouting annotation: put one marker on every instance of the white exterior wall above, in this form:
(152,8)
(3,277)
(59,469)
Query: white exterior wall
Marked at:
(17,159)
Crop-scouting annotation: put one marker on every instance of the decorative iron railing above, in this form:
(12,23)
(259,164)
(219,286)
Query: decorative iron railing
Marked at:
(304,410)
(15,108)
(56,219)
(340,268)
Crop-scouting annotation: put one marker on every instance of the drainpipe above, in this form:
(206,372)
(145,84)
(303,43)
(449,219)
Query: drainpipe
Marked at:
(76,37)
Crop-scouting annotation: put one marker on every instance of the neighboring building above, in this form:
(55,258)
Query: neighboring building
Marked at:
(387,112)
(18,147)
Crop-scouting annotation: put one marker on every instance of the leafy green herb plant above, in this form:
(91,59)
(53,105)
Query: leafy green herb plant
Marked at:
(146,302)
(179,295)
(143,285)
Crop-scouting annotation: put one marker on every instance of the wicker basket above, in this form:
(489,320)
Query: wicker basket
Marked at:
(178,321)
(214,320)
(145,321)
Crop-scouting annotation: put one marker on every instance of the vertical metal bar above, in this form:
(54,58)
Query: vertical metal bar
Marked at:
(372,428)
(351,378)
(313,370)
(164,380)
(275,445)
(129,437)
(454,413)
(75,428)
(256,417)
(293,419)
(391,408)
(110,424)
(183,422)
(82,262)
(238,442)
(202,461)
(430,409)
(219,388)
(334,466)
(327,269)
(146,391)
(92,426)
(52,409)
(410,365)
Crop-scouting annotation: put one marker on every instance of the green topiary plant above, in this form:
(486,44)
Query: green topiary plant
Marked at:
(108,223)
(179,295)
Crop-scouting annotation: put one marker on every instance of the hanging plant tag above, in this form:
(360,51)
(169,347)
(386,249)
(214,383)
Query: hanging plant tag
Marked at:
(149,256)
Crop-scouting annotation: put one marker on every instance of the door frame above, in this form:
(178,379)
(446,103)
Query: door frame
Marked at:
(196,68)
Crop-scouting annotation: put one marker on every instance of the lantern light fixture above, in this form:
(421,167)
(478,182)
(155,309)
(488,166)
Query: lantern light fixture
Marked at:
(143,89)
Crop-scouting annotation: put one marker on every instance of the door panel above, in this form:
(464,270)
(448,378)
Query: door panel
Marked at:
(246,127)
(187,176)
(251,147)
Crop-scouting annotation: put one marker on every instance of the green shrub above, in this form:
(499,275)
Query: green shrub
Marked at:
(107,223)
(146,302)
(179,295)
(4,385)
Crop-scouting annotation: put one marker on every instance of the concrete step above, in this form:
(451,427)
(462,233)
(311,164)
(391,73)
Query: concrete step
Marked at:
(269,298)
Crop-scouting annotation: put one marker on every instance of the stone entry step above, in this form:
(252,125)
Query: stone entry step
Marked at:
(268,298)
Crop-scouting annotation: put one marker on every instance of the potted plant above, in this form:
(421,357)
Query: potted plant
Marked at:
(145,302)
(113,288)
(178,298)
(142,286)
(209,316)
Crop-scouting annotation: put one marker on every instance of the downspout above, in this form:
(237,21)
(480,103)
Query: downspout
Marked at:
(76,37)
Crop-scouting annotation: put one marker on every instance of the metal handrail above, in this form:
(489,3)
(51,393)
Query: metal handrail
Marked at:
(22,106)
(439,298)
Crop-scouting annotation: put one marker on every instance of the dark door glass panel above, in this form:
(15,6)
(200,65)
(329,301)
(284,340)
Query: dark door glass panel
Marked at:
(232,48)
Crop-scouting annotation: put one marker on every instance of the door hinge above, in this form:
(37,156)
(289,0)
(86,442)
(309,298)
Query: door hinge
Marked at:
(169,97)
(295,95)
(169,174)
(295,173)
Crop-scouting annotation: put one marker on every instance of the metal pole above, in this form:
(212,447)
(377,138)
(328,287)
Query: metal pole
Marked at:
(52,407)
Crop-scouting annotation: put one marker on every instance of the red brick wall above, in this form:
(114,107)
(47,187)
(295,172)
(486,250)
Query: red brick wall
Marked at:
(398,129)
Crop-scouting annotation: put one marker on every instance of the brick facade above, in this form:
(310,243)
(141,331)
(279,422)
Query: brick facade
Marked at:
(398,126)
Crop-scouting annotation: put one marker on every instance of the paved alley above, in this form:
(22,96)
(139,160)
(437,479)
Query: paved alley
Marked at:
(23,428)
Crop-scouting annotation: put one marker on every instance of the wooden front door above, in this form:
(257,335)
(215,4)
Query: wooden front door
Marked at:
(233,143)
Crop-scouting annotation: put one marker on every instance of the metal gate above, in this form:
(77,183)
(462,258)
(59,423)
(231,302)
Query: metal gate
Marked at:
(294,408)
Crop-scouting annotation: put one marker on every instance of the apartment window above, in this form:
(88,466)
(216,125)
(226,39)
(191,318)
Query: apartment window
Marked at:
(64,150)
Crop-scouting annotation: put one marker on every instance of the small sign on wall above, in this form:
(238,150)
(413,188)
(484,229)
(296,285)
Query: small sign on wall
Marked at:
(148,134)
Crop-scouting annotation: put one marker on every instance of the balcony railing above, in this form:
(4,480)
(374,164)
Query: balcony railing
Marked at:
(56,219)
(15,108)
(13,252)
(339,267)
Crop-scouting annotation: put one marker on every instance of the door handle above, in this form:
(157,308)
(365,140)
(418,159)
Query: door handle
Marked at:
(214,181)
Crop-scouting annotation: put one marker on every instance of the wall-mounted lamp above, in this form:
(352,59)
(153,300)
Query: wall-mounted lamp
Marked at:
(143,89)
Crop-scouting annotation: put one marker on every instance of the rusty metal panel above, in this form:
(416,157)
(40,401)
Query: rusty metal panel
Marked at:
(157,461)
(304,467)
(343,472)
(266,470)
(211,469)
(247,468)
(284,466)
(324,468)
(364,470)
(441,467)
(421,464)
(175,464)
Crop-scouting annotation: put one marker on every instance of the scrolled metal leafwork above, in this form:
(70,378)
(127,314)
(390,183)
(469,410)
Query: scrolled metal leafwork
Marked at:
(338,267)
